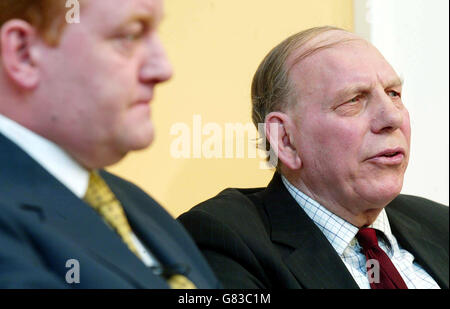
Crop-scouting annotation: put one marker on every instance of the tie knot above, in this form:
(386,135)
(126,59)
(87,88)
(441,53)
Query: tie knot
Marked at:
(98,193)
(367,238)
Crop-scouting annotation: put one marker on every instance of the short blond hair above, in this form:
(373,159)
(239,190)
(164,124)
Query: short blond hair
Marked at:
(271,88)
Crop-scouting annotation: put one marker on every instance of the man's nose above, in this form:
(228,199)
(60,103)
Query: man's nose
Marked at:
(388,114)
(156,67)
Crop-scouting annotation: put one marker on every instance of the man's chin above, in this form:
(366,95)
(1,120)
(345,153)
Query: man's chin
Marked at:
(137,134)
(142,141)
(385,193)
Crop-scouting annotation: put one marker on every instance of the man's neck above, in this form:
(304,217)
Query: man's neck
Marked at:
(47,154)
(363,214)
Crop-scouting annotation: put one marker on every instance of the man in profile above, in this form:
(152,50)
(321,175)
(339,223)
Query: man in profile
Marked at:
(75,99)
(332,216)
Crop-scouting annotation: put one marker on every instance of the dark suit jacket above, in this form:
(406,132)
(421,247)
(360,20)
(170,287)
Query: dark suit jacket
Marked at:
(43,224)
(261,238)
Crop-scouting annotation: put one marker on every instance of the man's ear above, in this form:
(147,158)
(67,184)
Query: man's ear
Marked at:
(18,53)
(280,130)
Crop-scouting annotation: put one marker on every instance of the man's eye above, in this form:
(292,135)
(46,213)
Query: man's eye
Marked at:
(393,94)
(126,43)
(132,36)
(355,99)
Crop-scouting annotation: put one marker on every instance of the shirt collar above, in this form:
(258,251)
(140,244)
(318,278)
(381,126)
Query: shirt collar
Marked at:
(49,155)
(381,223)
(339,232)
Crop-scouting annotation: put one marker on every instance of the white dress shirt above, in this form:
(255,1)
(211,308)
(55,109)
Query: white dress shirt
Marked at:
(60,165)
(342,236)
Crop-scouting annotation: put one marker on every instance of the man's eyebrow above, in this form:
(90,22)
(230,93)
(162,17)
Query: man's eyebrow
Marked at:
(146,19)
(345,92)
(396,82)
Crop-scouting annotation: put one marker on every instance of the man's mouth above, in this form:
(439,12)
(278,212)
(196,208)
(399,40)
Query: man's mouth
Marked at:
(393,156)
(143,101)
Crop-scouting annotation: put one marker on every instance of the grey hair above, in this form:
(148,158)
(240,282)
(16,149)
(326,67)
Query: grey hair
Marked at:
(272,89)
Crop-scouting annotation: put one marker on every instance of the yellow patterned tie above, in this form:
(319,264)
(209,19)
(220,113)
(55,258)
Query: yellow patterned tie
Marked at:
(180,282)
(100,197)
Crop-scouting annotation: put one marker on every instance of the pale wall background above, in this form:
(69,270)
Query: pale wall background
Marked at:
(215,47)
(414,36)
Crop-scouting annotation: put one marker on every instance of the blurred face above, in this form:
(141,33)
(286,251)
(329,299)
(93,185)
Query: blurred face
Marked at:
(97,84)
(352,129)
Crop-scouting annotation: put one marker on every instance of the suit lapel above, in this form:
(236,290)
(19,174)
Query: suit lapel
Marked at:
(32,187)
(314,262)
(84,226)
(161,244)
(416,239)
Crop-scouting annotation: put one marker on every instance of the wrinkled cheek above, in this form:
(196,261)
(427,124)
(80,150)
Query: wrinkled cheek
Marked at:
(329,153)
(337,143)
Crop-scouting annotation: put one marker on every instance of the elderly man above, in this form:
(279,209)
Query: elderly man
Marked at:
(332,216)
(75,99)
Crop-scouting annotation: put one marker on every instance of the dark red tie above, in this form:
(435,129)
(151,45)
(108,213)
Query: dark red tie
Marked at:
(389,277)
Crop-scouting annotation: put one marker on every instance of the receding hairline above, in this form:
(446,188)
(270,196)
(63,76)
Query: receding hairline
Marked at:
(320,42)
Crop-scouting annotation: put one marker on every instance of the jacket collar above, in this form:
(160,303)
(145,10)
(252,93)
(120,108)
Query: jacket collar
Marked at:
(314,262)
(418,240)
(148,229)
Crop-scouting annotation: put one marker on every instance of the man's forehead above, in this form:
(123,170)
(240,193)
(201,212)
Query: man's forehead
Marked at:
(348,65)
(348,55)
(323,41)
(114,12)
